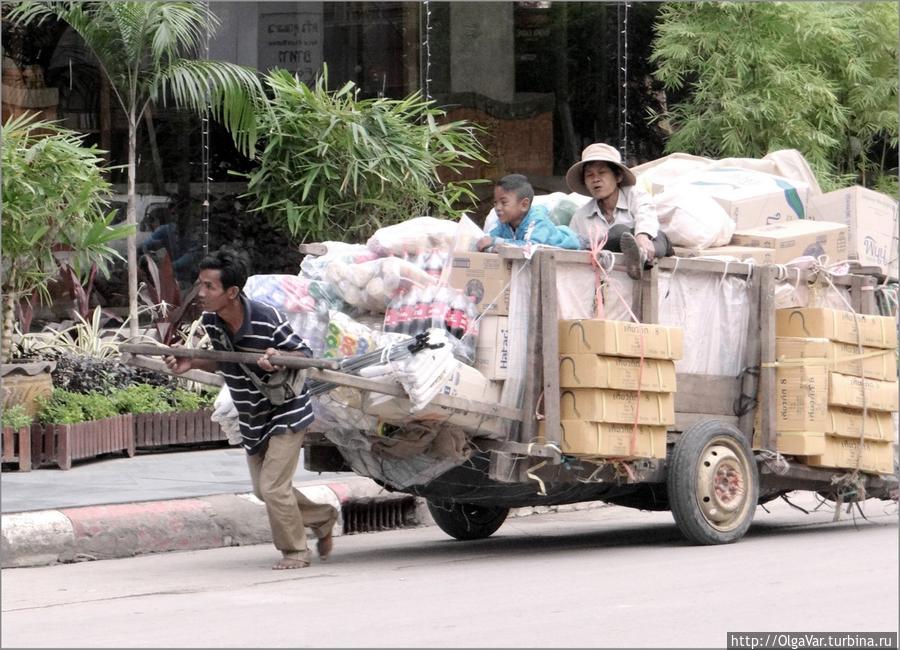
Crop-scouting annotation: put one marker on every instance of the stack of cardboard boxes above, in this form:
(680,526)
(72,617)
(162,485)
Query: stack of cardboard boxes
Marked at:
(823,382)
(601,371)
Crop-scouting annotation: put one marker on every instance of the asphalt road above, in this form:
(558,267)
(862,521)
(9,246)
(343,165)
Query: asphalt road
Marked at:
(608,577)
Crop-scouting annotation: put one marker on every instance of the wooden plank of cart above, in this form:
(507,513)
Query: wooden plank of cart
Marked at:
(711,480)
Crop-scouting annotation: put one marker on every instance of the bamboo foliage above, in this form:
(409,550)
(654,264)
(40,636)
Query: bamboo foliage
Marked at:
(334,166)
(54,200)
(817,77)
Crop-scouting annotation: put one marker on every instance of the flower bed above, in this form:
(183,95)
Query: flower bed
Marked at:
(63,443)
(16,447)
(175,428)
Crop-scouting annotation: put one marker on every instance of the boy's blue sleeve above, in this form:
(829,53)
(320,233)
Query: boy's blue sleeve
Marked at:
(546,232)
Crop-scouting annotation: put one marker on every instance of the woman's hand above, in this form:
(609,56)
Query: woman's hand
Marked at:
(643,240)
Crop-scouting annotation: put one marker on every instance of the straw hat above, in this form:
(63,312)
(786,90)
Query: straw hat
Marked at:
(596,152)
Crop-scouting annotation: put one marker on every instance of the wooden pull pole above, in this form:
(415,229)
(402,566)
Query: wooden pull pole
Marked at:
(248,358)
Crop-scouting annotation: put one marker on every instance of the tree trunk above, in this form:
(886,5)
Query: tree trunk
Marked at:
(9,322)
(132,221)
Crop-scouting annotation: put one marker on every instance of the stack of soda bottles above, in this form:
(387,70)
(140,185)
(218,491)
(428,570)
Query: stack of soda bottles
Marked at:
(423,308)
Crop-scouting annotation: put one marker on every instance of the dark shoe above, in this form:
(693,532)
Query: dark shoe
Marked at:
(635,257)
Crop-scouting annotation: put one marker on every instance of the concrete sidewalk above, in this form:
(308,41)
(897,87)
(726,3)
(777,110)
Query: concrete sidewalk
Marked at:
(120,507)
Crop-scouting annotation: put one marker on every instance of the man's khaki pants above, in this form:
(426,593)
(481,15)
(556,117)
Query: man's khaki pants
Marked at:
(272,472)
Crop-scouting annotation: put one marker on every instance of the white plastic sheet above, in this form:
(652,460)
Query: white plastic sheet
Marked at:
(713,311)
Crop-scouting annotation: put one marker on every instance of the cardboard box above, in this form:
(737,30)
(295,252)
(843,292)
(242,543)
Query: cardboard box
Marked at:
(619,339)
(751,198)
(877,456)
(606,439)
(796,238)
(844,390)
(492,347)
(848,423)
(484,276)
(837,325)
(874,363)
(759,255)
(872,219)
(621,406)
(620,373)
(799,443)
(801,399)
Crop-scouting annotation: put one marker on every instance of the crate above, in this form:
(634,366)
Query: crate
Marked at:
(60,444)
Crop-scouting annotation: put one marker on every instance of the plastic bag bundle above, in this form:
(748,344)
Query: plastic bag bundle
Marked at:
(424,233)
(225,413)
(287,293)
(436,307)
(370,286)
(313,267)
(423,374)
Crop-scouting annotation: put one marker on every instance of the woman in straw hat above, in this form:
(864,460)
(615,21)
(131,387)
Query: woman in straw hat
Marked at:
(619,210)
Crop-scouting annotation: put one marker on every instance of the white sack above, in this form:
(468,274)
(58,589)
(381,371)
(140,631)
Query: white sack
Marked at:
(692,219)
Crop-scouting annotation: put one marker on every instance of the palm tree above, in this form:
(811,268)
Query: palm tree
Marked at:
(143,48)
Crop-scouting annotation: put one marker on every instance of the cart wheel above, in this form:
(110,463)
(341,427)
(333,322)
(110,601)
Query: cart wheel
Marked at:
(712,483)
(466,521)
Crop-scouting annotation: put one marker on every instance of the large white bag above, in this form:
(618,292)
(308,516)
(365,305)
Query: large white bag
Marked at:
(692,219)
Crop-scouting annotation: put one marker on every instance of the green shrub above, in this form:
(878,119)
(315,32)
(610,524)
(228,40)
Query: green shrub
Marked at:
(185,400)
(142,398)
(97,407)
(61,407)
(15,417)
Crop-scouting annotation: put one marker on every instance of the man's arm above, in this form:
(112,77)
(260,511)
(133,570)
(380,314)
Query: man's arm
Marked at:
(180,365)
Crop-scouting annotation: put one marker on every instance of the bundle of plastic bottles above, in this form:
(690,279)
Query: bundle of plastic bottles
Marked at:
(424,308)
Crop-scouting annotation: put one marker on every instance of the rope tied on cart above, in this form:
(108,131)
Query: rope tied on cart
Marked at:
(597,241)
(852,480)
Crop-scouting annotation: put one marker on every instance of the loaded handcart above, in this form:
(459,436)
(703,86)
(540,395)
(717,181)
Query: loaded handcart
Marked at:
(706,387)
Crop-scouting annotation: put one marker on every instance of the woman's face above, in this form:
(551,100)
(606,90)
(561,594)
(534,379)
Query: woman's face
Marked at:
(601,180)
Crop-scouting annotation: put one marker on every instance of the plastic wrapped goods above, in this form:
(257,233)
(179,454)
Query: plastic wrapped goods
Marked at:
(346,337)
(444,308)
(423,234)
(313,267)
(370,286)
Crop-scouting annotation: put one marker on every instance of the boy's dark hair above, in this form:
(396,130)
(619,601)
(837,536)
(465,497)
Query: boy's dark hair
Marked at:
(231,264)
(517,183)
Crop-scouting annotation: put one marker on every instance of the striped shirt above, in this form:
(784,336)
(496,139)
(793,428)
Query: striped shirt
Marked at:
(263,327)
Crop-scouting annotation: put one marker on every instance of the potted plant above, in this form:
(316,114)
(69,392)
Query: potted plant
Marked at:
(73,426)
(16,442)
(53,194)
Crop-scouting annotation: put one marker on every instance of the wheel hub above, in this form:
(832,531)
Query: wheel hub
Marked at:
(721,485)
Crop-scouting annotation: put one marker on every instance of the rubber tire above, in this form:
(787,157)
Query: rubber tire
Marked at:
(466,521)
(682,483)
